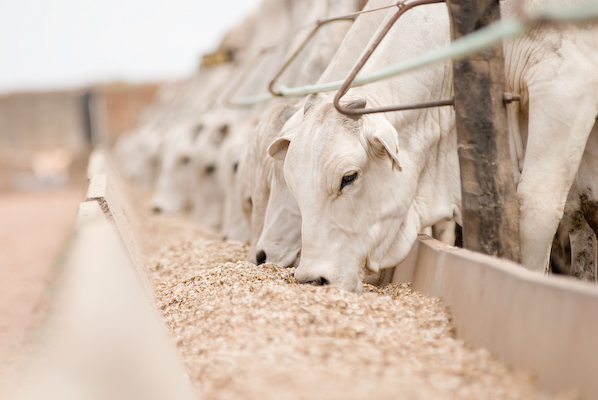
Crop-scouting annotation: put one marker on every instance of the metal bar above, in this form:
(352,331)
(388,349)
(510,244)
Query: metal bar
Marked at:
(319,24)
(403,8)
(470,44)
(489,197)
(253,99)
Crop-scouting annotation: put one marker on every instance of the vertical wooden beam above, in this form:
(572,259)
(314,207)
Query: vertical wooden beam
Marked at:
(489,198)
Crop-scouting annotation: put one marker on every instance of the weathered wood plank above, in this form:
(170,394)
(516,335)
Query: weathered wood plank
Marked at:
(489,202)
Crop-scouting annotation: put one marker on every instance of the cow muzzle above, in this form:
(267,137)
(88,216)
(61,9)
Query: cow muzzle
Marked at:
(312,279)
(322,277)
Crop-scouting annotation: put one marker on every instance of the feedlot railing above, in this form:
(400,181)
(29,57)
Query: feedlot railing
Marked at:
(478,41)
(316,25)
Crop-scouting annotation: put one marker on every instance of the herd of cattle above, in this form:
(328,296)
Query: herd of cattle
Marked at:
(343,198)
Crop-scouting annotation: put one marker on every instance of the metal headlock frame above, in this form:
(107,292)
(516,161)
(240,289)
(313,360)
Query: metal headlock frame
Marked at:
(318,24)
(403,8)
(492,35)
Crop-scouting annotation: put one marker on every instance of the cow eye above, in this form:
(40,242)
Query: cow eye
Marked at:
(185,160)
(210,169)
(348,180)
(235,167)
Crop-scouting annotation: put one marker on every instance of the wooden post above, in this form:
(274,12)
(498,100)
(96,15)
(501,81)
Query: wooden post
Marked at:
(489,198)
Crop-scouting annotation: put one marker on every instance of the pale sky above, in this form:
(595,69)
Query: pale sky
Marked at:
(55,44)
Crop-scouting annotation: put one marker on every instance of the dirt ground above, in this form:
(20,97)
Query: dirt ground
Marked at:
(34,229)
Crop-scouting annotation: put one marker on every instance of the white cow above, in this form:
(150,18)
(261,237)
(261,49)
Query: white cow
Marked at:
(216,155)
(206,189)
(259,175)
(173,193)
(209,182)
(137,154)
(234,225)
(273,212)
(366,186)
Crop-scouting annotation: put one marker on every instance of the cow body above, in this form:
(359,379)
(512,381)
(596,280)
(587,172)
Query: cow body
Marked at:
(366,186)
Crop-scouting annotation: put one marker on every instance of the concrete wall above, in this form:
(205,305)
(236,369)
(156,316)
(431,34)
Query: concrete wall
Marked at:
(38,121)
(45,120)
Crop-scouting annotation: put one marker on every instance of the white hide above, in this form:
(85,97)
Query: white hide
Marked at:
(173,194)
(234,224)
(206,190)
(137,154)
(212,190)
(273,212)
(373,222)
(259,176)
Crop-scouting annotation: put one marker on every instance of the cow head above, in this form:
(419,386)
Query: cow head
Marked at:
(267,203)
(234,224)
(138,152)
(355,187)
(172,193)
(207,195)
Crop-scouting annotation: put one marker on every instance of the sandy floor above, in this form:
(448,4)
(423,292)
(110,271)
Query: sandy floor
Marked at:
(34,227)
(253,332)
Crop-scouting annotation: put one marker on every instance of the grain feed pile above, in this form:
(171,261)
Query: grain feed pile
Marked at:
(253,332)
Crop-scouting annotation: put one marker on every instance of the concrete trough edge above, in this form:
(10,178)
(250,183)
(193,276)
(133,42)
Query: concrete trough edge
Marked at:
(547,325)
(104,188)
(103,207)
(99,260)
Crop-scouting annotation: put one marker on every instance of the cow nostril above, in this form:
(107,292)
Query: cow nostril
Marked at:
(157,210)
(260,257)
(225,238)
(321,281)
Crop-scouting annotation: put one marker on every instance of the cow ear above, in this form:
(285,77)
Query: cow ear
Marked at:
(221,134)
(278,148)
(386,141)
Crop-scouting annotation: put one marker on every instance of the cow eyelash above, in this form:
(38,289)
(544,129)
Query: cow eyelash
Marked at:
(348,180)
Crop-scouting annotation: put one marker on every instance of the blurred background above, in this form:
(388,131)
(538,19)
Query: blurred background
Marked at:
(74,73)
(78,72)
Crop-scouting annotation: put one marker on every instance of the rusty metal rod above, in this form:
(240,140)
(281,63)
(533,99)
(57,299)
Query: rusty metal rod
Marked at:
(403,8)
(472,43)
(319,24)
